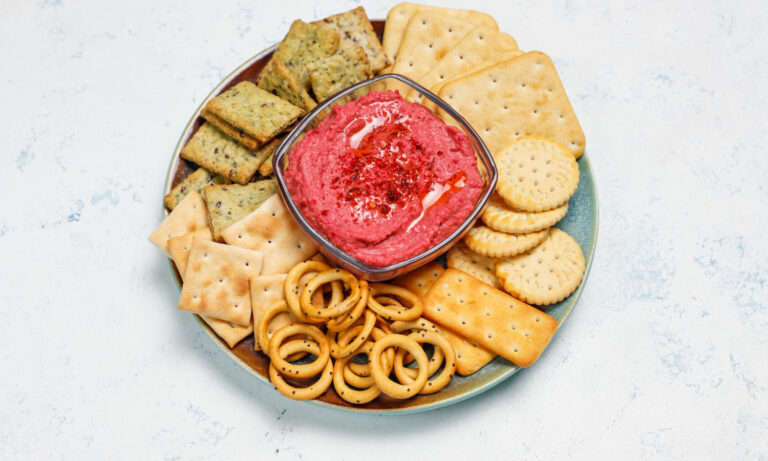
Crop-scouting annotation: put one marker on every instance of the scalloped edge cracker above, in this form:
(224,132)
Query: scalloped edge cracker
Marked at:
(499,216)
(563,259)
(426,39)
(230,203)
(188,216)
(280,81)
(250,115)
(527,98)
(272,230)
(194,182)
(400,14)
(495,320)
(487,242)
(355,28)
(536,174)
(478,266)
(216,281)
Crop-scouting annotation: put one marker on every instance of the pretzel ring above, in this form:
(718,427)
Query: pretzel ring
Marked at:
(290,369)
(291,288)
(359,374)
(369,390)
(395,312)
(298,346)
(404,359)
(444,377)
(387,386)
(262,327)
(334,309)
(339,352)
(302,393)
(418,324)
(346,320)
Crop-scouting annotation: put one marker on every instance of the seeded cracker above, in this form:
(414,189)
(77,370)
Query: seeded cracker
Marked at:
(228,204)
(271,230)
(400,14)
(502,218)
(478,266)
(487,242)
(354,28)
(478,45)
(495,320)
(266,166)
(547,274)
(250,115)
(470,357)
(188,216)
(345,68)
(194,182)
(522,96)
(214,150)
(280,81)
(216,281)
(426,39)
(536,174)
(304,44)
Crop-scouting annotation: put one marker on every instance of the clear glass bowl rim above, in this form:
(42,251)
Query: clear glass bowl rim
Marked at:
(283,149)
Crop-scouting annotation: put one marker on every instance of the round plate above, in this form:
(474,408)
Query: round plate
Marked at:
(580,223)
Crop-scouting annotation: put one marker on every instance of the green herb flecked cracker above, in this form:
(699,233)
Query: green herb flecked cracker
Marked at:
(229,203)
(280,81)
(250,115)
(217,152)
(266,166)
(196,181)
(345,68)
(304,44)
(355,29)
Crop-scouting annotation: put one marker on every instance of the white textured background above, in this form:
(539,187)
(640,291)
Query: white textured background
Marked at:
(665,356)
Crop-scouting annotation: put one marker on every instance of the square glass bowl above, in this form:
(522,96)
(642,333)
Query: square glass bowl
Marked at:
(485,166)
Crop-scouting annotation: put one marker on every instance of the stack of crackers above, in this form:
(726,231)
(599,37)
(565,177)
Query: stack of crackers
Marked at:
(234,242)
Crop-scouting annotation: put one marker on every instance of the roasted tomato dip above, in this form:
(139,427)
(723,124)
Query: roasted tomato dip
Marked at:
(384,179)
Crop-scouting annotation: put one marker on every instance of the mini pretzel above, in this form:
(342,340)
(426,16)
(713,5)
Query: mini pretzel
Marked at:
(358,374)
(441,344)
(346,320)
(293,370)
(387,386)
(368,393)
(262,327)
(339,352)
(336,308)
(302,393)
(291,288)
(395,312)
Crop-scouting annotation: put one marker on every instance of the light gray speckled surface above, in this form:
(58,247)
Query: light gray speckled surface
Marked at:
(664,356)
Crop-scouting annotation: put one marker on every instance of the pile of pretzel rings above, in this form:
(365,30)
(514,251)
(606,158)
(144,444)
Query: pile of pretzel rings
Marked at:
(341,317)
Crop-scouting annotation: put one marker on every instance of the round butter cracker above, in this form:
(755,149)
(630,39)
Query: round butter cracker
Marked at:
(536,174)
(501,217)
(547,274)
(478,266)
(487,242)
